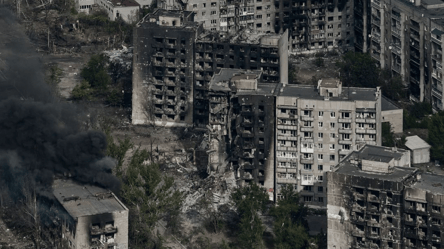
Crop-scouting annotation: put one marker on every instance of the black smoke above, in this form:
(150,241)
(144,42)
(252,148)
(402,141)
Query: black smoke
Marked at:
(41,137)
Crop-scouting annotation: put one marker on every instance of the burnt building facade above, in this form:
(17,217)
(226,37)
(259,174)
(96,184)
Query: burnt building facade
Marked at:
(313,25)
(175,60)
(316,25)
(376,201)
(242,116)
(163,66)
(96,217)
(247,51)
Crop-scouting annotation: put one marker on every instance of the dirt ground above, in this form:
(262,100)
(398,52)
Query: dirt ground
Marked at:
(306,69)
(8,238)
(70,65)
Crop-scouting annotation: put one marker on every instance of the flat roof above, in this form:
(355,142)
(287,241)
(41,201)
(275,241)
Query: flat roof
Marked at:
(311,92)
(265,89)
(378,154)
(430,183)
(244,36)
(124,3)
(219,81)
(388,105)
(329,82)
(415,142)
(85,200)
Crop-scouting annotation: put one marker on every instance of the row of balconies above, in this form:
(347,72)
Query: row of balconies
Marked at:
(366,120)
(365,131)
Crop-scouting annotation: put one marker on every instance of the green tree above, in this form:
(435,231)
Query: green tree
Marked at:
(148,194)
(319,62)
(82,91)
(292,77)
(387,135)
(392,86)
(359,70)
(436,136)
(213,217)
(95,72)
(249,200)
(288,225)
(151,197)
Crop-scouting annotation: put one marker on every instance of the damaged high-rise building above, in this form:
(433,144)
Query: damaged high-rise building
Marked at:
(175,58)
(313,25)
(376,200)
(95,218)
(241,119)
(316,127)
(405,37)
(278,134)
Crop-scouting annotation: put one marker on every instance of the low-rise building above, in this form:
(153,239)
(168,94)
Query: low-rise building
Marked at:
(128,10)
(392,114)
(95,218)
(420,149)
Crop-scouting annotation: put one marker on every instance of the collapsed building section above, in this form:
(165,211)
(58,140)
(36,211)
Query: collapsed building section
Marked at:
(250,51)
(279,134)
(242,120)
(375,200)
(174,60)
(313,25)
(96,217)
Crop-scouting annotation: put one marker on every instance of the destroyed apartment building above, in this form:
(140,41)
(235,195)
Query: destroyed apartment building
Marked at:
(95,218)
(277,134)
(175,59)
(313,25)
(376,200)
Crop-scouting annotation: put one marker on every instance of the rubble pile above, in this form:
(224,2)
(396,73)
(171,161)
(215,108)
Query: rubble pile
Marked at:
(122,58)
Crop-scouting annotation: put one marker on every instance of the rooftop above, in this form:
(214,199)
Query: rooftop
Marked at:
(430,183)
(311,92)
(329,82)
(428,8)
(85,200)
(265,89)
(220,80)
(242,37)
(415,142)
(159,16)
(374,153)
(124,3)
(388,105)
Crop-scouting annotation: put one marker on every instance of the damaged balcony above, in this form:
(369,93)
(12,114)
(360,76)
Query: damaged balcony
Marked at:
(359,206)
(358,231)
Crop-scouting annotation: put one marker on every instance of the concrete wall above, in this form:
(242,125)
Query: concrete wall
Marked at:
(421,155)
(83,229)
(129,14)
(283,58)
(395,118)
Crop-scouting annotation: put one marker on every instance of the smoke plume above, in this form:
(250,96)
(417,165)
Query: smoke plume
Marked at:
(40,136)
